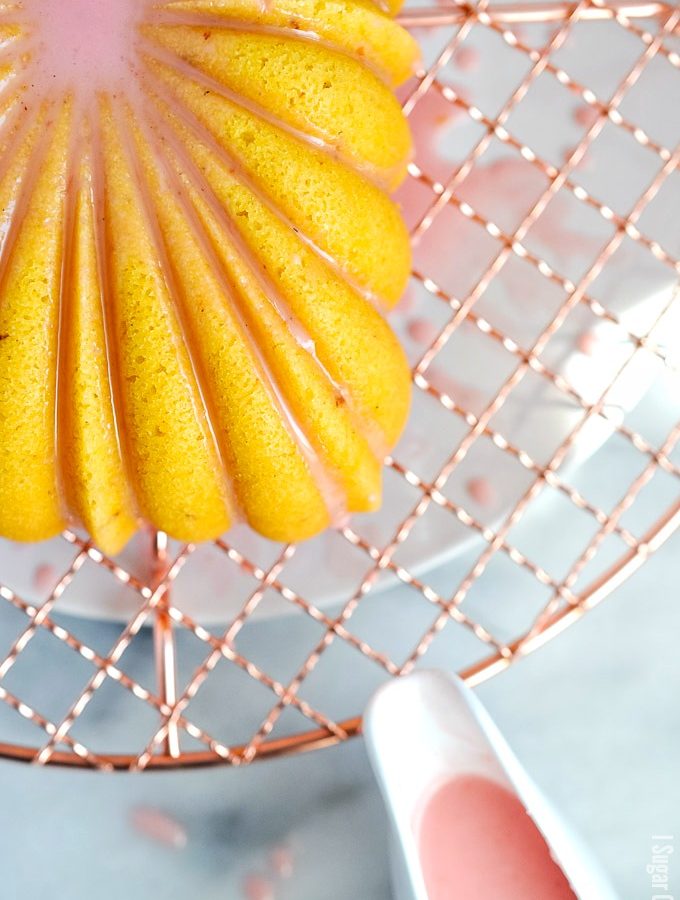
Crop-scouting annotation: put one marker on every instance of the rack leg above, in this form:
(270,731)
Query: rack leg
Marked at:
(164,646)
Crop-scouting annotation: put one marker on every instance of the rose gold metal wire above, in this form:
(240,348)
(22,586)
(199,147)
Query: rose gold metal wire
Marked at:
(518,13)
(164,648)
(565,605)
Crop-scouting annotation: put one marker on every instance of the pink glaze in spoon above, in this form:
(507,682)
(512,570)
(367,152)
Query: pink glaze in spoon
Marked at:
(467,820)
(476,840)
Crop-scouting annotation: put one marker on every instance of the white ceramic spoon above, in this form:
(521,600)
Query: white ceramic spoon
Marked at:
(453,787)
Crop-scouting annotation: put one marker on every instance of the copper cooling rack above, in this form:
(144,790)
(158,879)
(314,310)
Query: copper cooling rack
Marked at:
(198,694)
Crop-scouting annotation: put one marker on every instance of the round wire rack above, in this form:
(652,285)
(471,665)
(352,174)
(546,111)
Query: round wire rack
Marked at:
(540,469)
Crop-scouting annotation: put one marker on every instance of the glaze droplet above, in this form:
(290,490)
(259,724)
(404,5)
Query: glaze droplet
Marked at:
(422,331)
(255,887)
(44,577)
(159,827)
(281,860)
(481,491)
(467,59)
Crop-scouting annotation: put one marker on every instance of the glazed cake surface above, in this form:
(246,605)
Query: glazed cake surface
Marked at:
(197,249)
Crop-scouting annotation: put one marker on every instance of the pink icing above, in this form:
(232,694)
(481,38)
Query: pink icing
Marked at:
(476,840)
(83,43)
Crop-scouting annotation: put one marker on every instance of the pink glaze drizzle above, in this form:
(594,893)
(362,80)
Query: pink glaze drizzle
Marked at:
(82,42)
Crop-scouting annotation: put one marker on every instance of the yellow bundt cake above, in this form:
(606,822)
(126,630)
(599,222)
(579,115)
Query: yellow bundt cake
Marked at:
(197,249)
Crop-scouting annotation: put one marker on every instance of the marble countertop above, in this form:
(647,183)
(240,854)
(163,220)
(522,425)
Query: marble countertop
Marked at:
(592,716)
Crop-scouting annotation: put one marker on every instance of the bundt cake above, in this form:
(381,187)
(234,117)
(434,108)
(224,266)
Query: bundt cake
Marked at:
(197,249)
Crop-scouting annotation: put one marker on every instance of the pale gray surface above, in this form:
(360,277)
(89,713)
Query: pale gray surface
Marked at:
(592,716)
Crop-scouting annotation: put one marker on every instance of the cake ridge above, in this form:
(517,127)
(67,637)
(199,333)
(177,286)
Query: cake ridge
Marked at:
(29,347)
(179,18)
(182,67)
(284,17)
(301,336)
(336,508)
(192,123)
(90,169)
(127,138)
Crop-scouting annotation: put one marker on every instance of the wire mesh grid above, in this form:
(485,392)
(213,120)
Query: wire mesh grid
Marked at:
(203,694)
